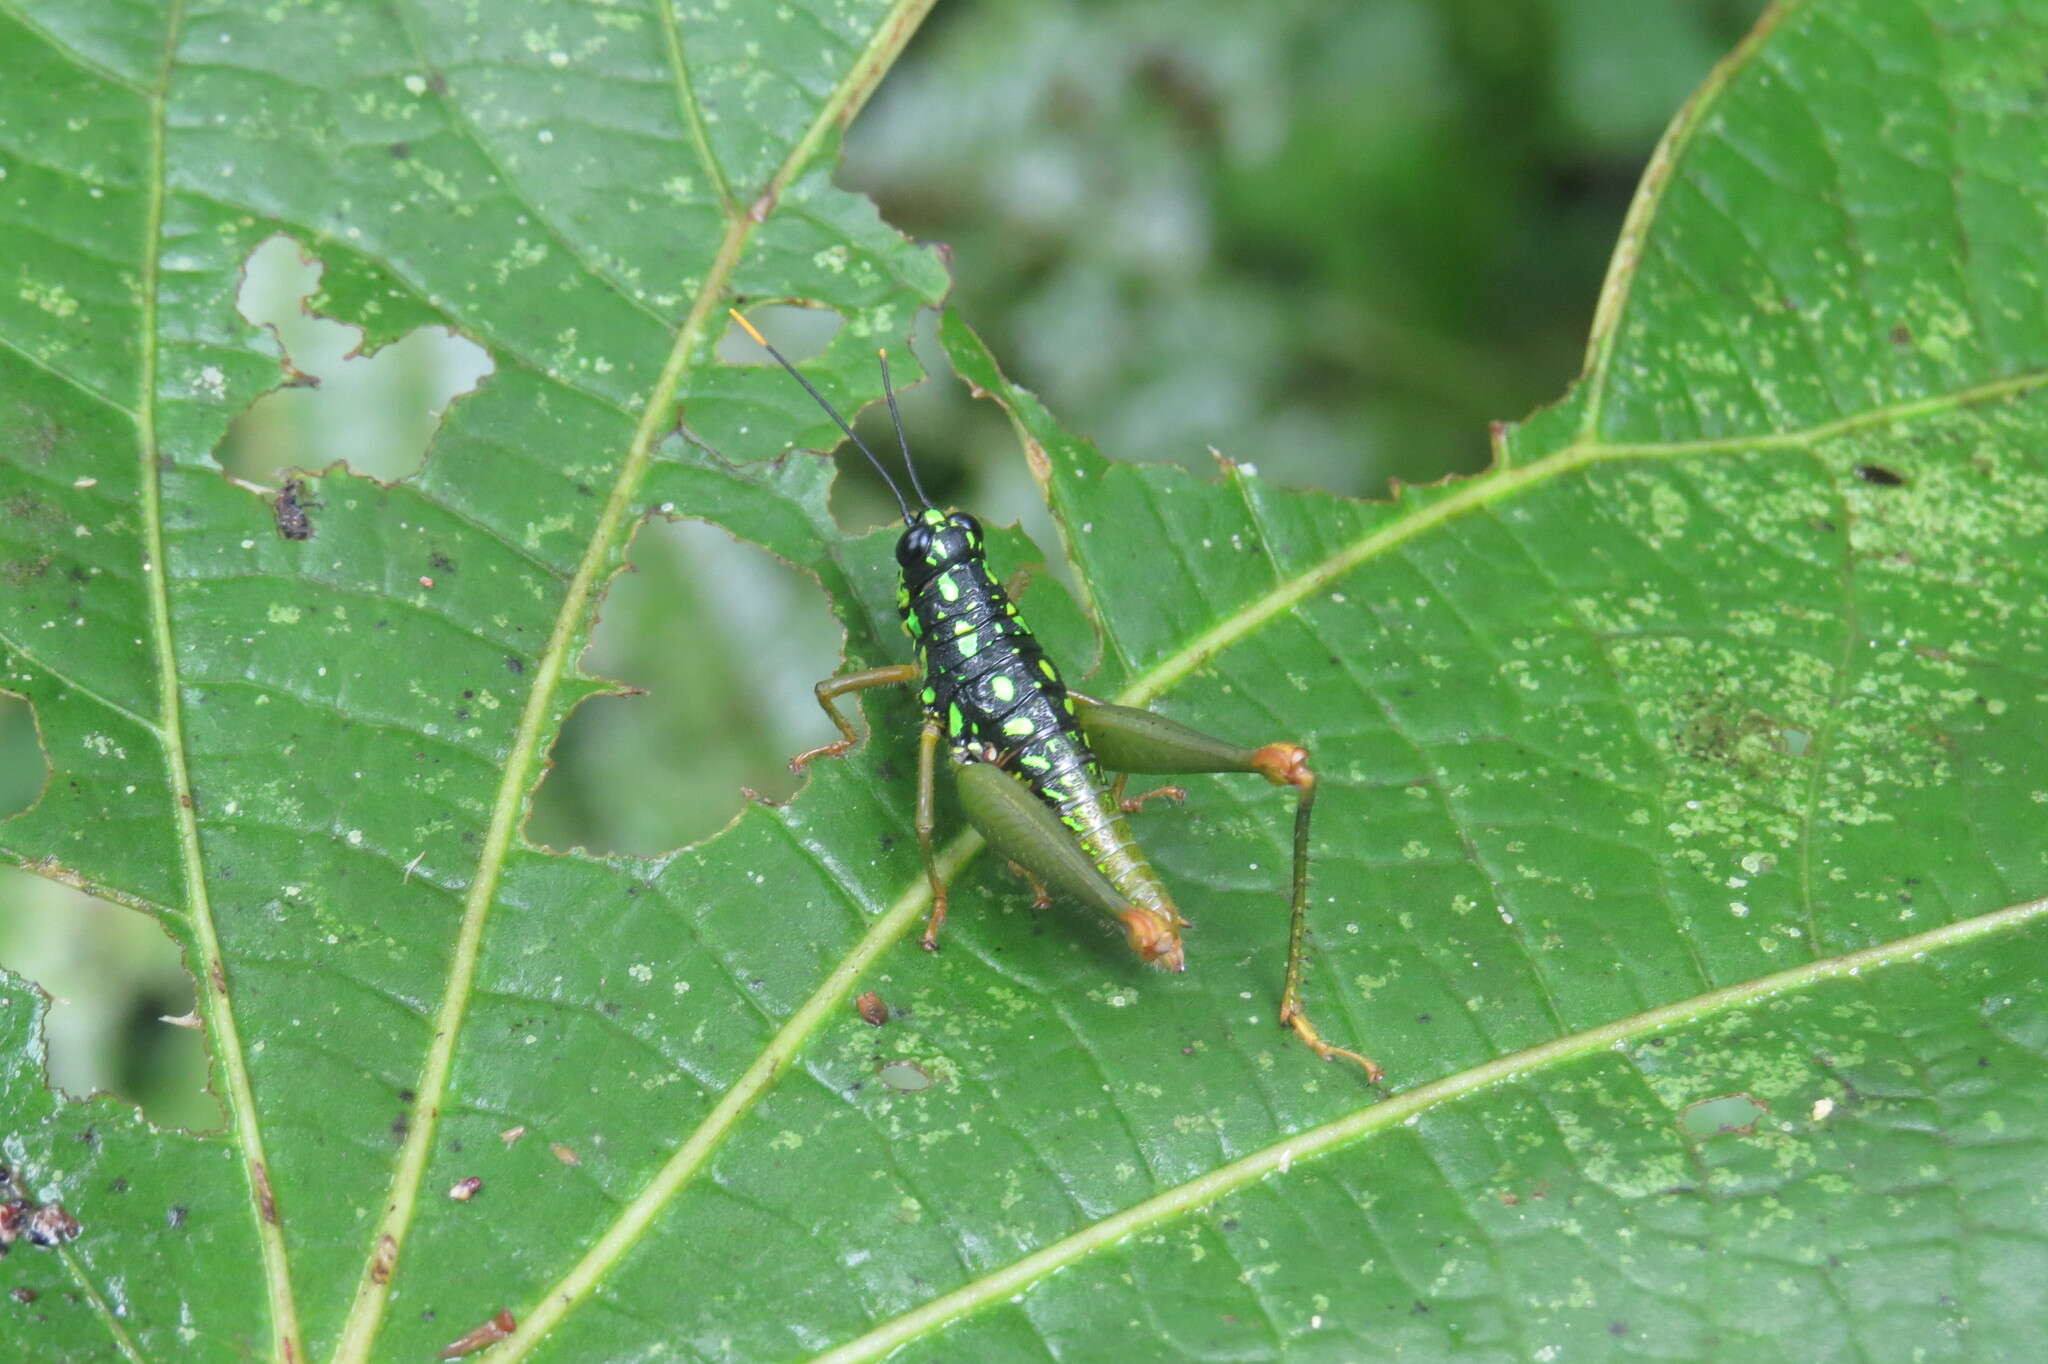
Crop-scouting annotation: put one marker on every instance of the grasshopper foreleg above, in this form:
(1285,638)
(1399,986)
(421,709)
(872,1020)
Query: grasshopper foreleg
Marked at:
(831,689)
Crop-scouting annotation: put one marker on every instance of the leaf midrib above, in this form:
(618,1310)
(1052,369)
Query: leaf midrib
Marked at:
(214,999)
(359,1331)
(380,1266)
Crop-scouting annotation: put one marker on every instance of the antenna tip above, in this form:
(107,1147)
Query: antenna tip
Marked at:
(746,326)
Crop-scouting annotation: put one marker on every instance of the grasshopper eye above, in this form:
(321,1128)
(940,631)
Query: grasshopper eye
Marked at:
(914,546)
(968,527)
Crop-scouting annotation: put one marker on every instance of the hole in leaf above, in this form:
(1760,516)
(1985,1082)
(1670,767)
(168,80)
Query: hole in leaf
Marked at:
(112,976)
(728,699)
(905,1076)
(800,333)
(377,411)
(24,767)
(1724,1116)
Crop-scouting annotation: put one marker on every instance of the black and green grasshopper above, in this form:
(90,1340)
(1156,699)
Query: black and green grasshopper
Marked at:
(1028,755)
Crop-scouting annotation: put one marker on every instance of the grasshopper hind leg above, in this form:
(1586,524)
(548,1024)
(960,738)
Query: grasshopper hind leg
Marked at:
(1129,740)
(1287,765)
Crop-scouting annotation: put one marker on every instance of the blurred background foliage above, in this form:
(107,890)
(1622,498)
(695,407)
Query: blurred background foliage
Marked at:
(1332,238)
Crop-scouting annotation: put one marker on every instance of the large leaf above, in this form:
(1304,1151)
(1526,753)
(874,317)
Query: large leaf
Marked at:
(1678,848)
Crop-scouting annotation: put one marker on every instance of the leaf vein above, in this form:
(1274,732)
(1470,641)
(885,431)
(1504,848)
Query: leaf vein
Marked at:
(1392,1115)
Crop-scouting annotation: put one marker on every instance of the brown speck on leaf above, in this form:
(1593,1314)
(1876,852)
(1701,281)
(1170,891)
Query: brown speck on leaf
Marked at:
(218,974)
(490,1333)
(23,1295)
(512,1134)
(264,1199)
(872,1009)
(566,1155)
(13,1217)
(386,1257)
(462,1190)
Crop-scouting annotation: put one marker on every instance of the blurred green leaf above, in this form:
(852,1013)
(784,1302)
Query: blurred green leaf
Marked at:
(1684,762)
(1333,239)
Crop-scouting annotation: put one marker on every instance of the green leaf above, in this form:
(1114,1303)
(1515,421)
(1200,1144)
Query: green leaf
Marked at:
(1678,840)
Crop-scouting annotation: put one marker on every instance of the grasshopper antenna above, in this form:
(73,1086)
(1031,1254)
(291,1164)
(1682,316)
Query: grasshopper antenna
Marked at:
(833,413)
(889,392)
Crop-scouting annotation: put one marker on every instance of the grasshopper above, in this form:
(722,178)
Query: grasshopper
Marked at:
(1030,756)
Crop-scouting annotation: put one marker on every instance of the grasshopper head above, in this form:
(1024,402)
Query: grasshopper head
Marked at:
(935,542)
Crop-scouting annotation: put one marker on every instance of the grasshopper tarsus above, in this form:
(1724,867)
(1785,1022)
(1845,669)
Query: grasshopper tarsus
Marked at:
(1131,805)
(1292,1017)
(1041,898)
(936,919)
(811,755)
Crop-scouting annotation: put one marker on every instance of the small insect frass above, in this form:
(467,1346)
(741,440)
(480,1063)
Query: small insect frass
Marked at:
(1881,476)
